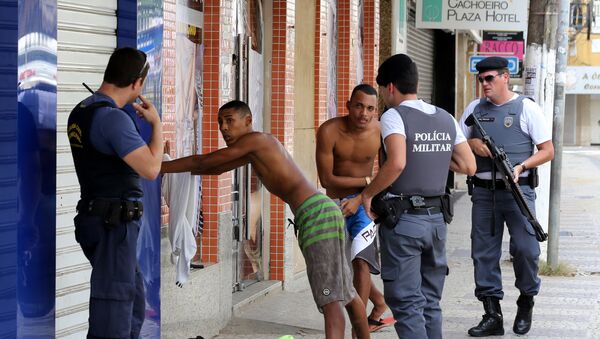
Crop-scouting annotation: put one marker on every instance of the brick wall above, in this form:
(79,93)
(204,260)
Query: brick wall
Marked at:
(168,85)
(347,18)
(371,41)
(282,116)
(217,89)
(216,190)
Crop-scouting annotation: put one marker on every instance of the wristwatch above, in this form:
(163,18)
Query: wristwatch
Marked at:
(522,165)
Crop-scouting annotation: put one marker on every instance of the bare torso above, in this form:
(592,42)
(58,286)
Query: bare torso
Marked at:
(353,154)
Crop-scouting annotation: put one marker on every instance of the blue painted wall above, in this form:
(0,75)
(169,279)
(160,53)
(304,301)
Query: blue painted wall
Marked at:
(28,172)
(8,168)
(36,167)
(27,167)
(148,249)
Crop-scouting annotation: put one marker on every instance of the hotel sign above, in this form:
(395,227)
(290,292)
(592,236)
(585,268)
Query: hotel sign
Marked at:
(502,15)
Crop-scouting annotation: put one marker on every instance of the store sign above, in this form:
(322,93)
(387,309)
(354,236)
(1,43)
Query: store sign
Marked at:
(582,80)
(503,15)
(513,63)
(503,44)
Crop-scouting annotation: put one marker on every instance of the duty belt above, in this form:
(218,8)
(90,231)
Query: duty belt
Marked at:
(113,211)
(424,211)
(419,205)
(500,185)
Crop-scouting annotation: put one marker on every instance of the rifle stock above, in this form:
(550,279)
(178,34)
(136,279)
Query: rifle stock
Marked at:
(506,169)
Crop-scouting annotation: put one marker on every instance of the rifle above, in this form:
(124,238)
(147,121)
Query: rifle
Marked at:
(506,169)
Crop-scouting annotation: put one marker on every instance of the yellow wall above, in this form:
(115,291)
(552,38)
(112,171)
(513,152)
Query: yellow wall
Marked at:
(584,55)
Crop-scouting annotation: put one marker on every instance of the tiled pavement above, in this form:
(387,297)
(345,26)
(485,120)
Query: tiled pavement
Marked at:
(567,307)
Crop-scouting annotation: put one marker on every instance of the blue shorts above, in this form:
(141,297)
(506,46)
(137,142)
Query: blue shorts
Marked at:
(362,240)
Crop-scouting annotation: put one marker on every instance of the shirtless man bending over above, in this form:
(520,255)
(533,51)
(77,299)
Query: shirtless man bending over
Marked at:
(318,220)
(346,150)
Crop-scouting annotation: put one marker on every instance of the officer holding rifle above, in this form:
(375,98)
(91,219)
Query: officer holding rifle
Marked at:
(515,124)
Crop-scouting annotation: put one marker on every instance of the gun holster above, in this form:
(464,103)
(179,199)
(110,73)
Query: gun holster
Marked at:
(533,178)
(447,206)
(386,210)
(112,211)
(470,185)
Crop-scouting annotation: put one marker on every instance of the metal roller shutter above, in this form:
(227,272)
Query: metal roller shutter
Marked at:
(420,49)
(86,38)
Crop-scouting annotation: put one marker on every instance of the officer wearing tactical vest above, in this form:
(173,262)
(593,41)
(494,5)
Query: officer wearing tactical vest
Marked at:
(515,123)
(110,156)
(421,142)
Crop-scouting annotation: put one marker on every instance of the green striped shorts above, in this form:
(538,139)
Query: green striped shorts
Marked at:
(322,239)
(318,218)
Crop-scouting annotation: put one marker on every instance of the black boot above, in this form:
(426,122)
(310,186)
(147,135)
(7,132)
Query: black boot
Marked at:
(524,312)
(492,322)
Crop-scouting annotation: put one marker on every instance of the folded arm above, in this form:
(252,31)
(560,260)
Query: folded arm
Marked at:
(463,160)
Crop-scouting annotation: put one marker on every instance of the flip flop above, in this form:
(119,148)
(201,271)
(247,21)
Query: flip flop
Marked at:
(375,325)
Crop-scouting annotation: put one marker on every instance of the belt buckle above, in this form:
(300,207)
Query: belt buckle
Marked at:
(417,201)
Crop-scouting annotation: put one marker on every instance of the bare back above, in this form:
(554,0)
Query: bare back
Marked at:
(353,152)
(267,156)
(275,167)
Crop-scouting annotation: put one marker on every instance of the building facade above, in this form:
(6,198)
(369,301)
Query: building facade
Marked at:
(582,101)
(295,63)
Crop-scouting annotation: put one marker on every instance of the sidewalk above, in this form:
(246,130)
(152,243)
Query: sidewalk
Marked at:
(567,307)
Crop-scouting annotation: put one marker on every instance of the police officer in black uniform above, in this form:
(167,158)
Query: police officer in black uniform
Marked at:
(110,156)
(516,124)
(421,142)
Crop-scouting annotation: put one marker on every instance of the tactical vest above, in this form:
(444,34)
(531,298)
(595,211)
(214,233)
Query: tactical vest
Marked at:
(100,175)
(503,125)
(429,145)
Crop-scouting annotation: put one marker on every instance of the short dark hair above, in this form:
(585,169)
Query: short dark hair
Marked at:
(365,88)
(125,66)
(400,70)
(237,105)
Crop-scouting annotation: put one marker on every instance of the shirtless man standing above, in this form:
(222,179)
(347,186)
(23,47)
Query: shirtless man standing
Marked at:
(318,221)
(346,150)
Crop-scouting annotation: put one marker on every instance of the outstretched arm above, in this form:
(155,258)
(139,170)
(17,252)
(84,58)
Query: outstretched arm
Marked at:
(217,162)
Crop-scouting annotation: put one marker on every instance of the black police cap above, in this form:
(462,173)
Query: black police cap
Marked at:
(491,63)
(393,68)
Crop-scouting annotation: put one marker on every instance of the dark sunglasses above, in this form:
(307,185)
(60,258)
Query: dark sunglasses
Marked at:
(488,78)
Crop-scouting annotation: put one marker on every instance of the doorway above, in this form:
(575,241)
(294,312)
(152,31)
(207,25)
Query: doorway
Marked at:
(248,194)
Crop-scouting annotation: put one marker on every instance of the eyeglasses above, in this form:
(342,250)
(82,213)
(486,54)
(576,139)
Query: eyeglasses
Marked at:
(144,69)
(488,78)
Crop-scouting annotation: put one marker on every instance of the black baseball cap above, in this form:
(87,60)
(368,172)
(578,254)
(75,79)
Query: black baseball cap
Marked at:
(491,63)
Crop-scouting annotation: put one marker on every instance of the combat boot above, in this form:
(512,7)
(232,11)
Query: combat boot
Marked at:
(492,322)
(524,312)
